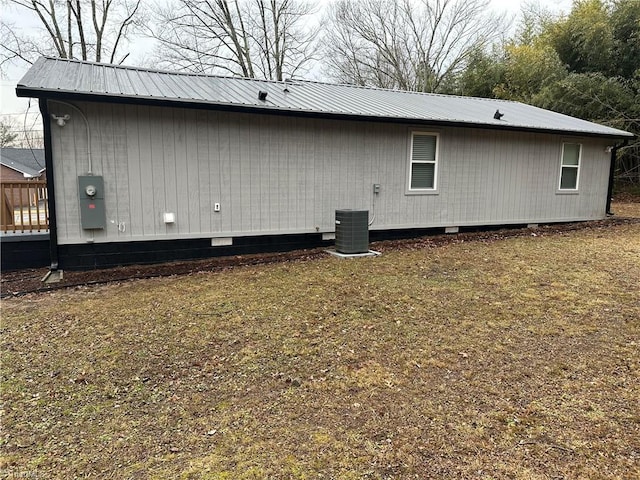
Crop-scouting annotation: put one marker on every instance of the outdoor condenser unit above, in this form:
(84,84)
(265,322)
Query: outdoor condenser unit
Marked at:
(352,231)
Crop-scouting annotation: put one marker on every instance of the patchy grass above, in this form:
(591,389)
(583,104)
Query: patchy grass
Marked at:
(517,359)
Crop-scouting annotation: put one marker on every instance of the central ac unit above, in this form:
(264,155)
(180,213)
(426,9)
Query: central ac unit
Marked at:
(352,231)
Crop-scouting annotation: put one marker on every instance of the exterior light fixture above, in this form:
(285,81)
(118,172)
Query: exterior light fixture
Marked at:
(61,120)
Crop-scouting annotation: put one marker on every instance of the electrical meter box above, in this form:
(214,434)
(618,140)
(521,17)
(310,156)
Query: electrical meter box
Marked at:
(92,210)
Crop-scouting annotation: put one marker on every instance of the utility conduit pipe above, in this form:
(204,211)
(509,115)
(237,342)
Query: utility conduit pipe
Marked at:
(71,105)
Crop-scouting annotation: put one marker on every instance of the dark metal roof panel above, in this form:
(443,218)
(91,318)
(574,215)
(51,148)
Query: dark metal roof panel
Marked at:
(84,78)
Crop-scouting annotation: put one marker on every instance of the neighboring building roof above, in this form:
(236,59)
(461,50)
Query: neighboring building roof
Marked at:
(29,162)
(62,78)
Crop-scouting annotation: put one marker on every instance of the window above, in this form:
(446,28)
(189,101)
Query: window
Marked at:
(570,167)
(423,161)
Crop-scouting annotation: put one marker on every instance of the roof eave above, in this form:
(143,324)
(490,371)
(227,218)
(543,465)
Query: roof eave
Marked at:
(23,91)
(18,169)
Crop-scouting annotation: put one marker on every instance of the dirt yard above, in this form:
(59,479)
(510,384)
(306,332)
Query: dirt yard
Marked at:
(17,283)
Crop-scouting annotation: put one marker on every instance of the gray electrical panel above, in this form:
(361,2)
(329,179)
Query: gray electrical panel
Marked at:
(352,231)
(92,210)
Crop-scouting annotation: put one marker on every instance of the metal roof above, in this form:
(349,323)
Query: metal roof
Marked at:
(63,78)
(29,162)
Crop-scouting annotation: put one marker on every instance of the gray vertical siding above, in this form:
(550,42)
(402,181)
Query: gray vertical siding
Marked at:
(275,174)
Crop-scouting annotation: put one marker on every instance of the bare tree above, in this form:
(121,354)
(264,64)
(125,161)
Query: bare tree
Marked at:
(253,38)
(406,44)
(8,135)
(94,30)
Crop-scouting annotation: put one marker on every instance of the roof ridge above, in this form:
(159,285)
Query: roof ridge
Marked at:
(159,70)
(291,81)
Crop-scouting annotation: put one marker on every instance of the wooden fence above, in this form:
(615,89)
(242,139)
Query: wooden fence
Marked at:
(24,207)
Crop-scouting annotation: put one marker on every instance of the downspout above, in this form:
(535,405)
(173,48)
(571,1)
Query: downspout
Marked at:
(612,168)
(48,160)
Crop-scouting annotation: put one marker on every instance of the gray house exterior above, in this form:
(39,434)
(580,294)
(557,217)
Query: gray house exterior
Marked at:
(194,165)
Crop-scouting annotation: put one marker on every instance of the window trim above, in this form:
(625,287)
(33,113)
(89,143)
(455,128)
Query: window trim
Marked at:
(563,166)
(423,191)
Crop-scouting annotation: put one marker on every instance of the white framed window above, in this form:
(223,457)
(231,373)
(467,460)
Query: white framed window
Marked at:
(570,166)
(423,162)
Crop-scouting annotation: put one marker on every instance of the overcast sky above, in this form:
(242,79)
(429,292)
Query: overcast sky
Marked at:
(16,107)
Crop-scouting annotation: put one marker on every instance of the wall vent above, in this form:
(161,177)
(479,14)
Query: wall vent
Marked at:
(352,231)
